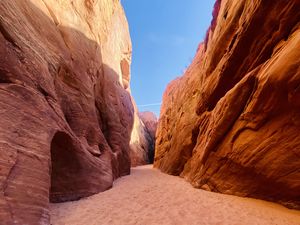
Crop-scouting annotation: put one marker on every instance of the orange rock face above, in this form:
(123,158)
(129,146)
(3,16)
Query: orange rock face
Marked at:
(231,124)
(66,113)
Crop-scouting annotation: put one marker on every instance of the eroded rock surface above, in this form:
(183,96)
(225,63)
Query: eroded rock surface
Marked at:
(231,123)
(150,121)
(66,113)
(141,143)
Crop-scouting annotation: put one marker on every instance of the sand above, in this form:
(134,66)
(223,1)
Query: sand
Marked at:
(148,196)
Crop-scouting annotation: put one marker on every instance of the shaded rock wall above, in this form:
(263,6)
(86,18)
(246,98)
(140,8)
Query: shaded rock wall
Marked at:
(230,124)
(150,121)
(66,113)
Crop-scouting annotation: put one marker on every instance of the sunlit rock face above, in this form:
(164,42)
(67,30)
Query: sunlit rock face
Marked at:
(66,113)
(231,123)
(142,141)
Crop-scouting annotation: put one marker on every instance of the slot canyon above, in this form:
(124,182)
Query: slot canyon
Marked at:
(76,149)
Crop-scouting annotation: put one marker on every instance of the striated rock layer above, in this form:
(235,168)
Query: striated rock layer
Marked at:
(66,113)
(231,124)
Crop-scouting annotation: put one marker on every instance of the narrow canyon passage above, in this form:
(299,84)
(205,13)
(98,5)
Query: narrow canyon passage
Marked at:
(206,91)
(148,196)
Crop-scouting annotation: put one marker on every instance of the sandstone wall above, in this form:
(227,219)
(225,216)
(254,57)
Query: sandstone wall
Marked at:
(66,113)
(141,143)
(149,120)
(231,123)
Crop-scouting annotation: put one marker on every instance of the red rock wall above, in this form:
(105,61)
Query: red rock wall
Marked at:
(66,113)
(230,124)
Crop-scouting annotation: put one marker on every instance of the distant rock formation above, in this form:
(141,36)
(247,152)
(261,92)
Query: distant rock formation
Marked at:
(142,141)
(150,121)
(231,124)
(66,113)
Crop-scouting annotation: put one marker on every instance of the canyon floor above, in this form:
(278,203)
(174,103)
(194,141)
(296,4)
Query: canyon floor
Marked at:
(148,196)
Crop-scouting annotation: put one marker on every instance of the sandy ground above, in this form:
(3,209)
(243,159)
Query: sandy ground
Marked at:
(148,196)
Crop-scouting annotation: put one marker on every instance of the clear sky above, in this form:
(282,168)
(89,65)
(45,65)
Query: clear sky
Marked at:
(165,35)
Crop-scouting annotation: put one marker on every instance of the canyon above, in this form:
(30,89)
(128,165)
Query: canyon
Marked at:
(68,123)
(70,127)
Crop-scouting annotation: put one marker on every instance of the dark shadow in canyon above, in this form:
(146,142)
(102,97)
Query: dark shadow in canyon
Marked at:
(65,166)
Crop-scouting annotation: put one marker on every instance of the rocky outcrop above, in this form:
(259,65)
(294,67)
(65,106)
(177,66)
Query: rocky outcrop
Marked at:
(231,123)
(149,120)
(66,112)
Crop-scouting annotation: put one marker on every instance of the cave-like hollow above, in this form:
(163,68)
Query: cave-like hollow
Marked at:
(65,167)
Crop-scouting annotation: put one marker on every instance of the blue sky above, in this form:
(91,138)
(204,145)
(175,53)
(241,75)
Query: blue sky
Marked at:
(165,35)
